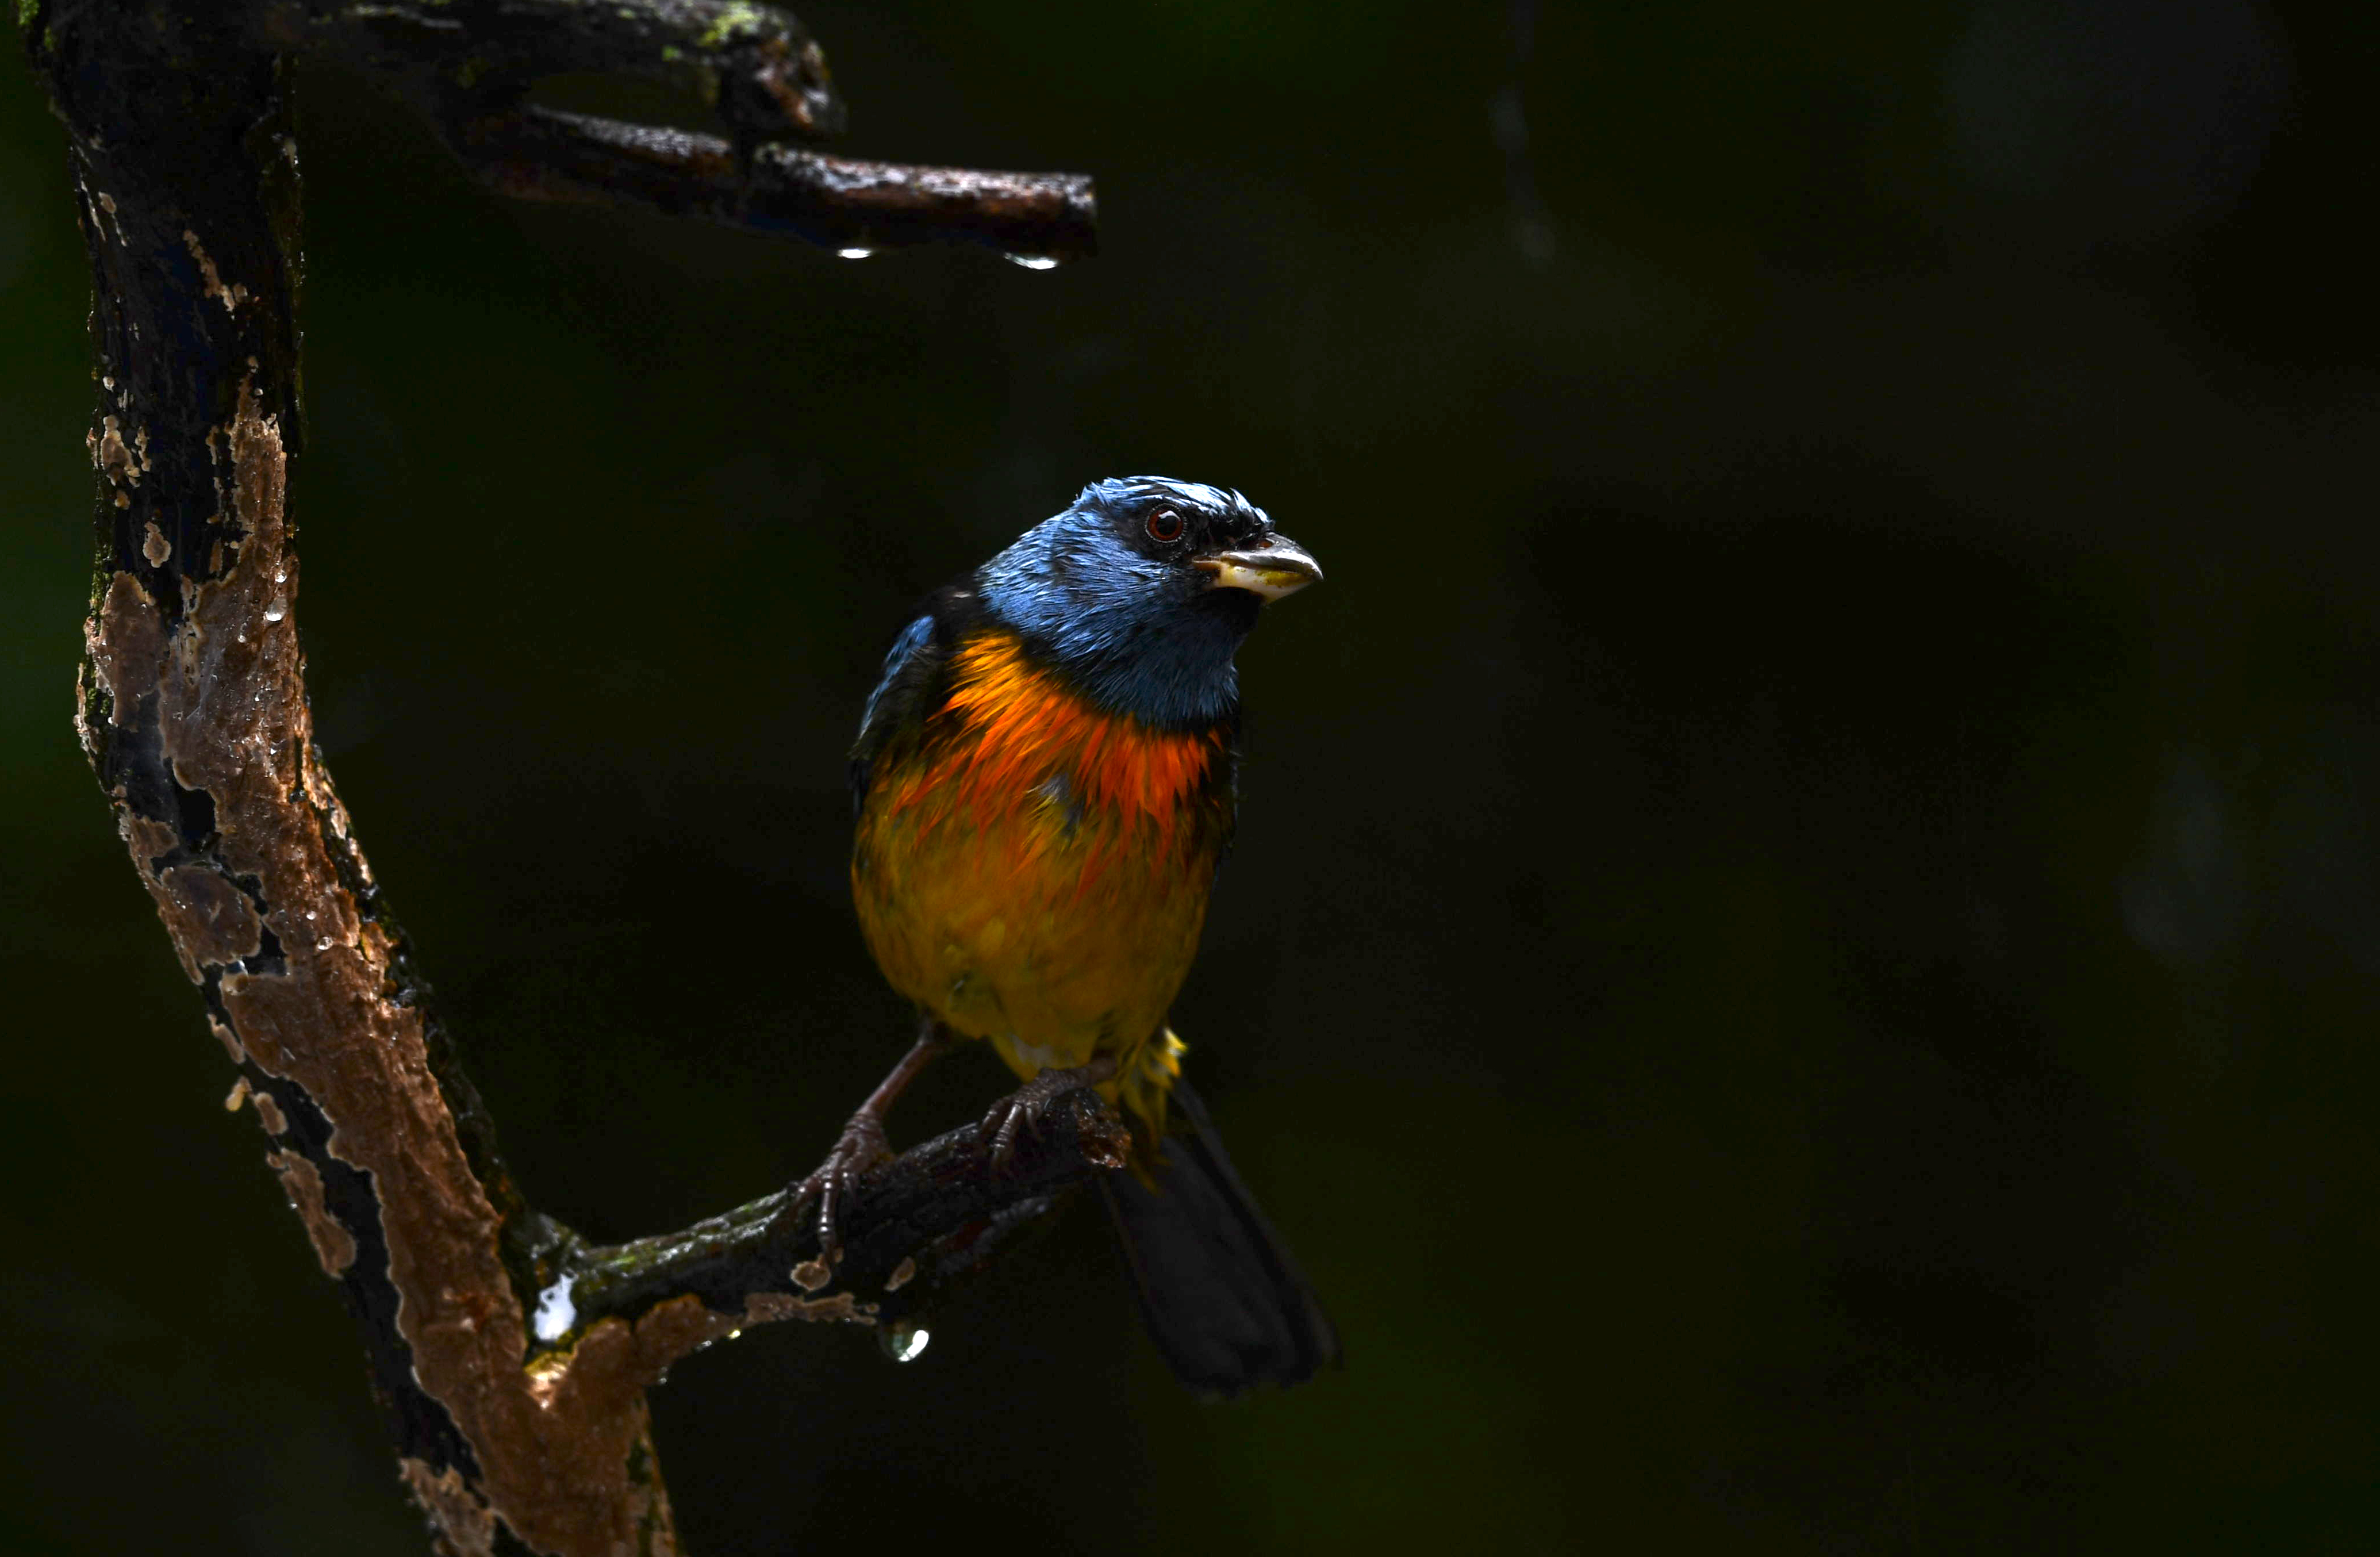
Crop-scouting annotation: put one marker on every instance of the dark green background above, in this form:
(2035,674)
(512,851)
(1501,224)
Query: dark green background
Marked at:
(1804,964)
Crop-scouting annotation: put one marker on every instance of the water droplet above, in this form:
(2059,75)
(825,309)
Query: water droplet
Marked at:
(555,1312)
(276,611)
(281,576)
(902,1341)
(1032,261)
(853,254)
(323,944)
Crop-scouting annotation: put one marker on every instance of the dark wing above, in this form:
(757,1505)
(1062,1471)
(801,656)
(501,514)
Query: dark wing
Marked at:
(910,669)
(913,683)
(1223,783)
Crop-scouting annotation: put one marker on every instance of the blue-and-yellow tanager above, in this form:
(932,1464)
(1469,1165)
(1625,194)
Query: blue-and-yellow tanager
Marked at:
(1045,780)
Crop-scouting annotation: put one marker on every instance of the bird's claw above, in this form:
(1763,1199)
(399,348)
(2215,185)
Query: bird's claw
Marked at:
(860,1147)
(1023,1109)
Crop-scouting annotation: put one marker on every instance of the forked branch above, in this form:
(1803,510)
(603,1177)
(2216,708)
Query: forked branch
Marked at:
(511,1356)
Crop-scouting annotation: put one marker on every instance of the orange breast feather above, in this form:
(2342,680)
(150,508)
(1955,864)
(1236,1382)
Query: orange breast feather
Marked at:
(1033,870)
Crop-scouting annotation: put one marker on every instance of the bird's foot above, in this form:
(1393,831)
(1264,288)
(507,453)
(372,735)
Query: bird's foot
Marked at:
(1023,1109)
(861,1146)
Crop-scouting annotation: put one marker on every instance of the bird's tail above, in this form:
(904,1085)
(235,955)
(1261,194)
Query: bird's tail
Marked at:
(1223,1300)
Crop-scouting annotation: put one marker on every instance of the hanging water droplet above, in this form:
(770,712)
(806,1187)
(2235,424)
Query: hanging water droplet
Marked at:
(853,254)
(902,1341)
(555,1312)
(277,610)
(1032,261)
(323,944)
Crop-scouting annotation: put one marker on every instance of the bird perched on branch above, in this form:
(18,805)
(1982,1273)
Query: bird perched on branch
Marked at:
(1045,785)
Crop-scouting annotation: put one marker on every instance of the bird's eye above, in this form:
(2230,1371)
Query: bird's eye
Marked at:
(1165,525)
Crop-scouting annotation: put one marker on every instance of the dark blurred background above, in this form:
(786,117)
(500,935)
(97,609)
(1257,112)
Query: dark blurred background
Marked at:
(1805,959)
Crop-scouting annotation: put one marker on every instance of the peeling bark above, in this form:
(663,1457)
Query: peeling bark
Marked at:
(333,1245)
(191,706)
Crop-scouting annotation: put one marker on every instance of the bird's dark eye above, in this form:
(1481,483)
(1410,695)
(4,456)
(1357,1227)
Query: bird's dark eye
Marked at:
(1165,524)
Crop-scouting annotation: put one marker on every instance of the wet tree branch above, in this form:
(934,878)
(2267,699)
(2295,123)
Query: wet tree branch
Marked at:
(836,202)
(466,64)
(756,66)
(515,1435)
(928,1218)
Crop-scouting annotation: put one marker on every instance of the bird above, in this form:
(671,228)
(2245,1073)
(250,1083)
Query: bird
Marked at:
(1045,779)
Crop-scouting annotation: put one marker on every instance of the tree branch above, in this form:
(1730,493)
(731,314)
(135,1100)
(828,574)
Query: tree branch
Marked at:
(835,203)
(756,66)
(467,63)
(192,709)
(915,1225)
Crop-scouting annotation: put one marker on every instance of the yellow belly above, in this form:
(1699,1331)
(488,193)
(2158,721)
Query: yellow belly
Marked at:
(1056,933)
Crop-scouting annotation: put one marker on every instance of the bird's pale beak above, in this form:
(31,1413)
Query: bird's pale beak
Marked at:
(1278,568)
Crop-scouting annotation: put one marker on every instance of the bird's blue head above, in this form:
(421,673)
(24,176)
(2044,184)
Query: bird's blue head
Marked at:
(1141,591)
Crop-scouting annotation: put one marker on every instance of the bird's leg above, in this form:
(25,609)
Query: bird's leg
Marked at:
(1023,1109)
(862,1144)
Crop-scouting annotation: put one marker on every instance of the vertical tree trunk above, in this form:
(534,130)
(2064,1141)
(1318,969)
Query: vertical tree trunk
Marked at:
(194,715)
